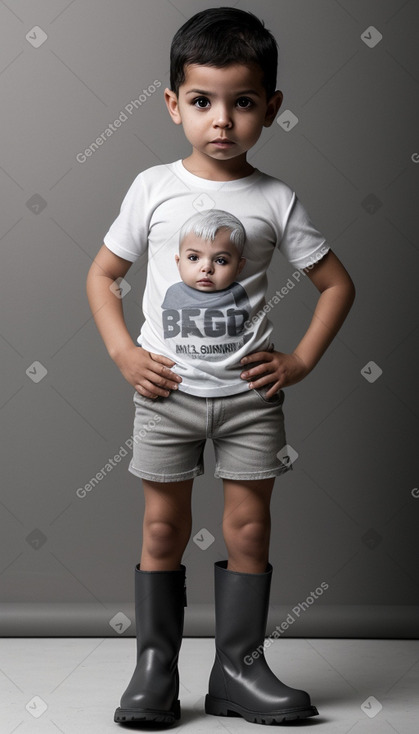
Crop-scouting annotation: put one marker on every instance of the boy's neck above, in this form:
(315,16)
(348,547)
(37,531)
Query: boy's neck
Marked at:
(214,170)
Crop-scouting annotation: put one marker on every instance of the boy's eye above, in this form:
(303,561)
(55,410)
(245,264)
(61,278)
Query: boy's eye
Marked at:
(201,102)
(193,258)
(221,261)
(244,102)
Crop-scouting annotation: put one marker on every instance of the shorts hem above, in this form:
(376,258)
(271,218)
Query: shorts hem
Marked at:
(267,474)
(153,477)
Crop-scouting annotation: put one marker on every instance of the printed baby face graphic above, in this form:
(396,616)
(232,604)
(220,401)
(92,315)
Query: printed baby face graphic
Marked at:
(204,314)
(209,265)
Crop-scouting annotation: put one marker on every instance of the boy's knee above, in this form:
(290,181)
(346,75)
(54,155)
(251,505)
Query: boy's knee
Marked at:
(160,529)
(161,537)
(246,534)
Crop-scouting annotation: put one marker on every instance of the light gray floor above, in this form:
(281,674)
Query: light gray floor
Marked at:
(73,685)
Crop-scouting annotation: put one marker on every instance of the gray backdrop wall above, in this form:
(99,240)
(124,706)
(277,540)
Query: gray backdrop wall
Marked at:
(346,517)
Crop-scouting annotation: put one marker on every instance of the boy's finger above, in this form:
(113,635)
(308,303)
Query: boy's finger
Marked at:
(150,390)
(273,390)
(169,375)
(164,370)
(260,369)
(161,380)
(163,360)
(256,357)
(266,382)
(254,372)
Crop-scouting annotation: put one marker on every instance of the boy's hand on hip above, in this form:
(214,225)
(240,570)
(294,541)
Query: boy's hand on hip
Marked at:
(276,369)
(148,373)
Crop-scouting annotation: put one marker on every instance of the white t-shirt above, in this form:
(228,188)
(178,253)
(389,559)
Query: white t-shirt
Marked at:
(207,334)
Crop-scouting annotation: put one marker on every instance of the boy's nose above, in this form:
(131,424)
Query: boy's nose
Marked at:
(207,267)
(222,117)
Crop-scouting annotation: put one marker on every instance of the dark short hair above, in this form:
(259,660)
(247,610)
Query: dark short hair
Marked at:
(222,36)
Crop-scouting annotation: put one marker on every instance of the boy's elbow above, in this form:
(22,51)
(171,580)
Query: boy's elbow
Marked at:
(351,291)
(348,294)
(89,278)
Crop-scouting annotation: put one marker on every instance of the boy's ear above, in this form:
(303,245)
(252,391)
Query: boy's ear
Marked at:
(172,105)
(242,263)
(177,258)
(274,104)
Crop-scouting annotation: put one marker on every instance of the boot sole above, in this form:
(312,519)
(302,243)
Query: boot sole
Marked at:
(125,716)
(220,707)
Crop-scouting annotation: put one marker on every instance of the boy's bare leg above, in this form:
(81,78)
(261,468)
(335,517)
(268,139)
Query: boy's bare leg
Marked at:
(247,524)
(167,524)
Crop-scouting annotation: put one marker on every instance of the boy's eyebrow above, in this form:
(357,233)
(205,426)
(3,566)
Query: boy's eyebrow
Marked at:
(214,254)
(213,94)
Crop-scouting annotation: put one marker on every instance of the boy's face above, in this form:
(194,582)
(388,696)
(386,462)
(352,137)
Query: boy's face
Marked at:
(206,265)
(222,110)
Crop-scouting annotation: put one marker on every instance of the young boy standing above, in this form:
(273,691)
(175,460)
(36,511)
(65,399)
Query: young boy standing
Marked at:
(223,78)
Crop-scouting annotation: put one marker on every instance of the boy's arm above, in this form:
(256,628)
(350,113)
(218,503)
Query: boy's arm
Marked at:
(337,293)
(148,373)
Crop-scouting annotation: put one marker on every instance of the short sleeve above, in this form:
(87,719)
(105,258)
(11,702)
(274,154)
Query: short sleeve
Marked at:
(302,244)
(127,237)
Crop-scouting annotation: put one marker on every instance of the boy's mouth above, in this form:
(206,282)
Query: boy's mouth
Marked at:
(205,281)
(222,142)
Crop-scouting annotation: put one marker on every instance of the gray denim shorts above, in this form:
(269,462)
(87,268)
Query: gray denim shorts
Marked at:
(170,433)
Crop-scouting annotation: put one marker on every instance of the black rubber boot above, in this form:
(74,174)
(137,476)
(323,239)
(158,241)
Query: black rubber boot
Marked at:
(152,694)
(242,684)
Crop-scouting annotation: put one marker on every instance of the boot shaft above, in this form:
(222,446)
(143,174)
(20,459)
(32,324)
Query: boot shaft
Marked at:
(160,598)
(241,608)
